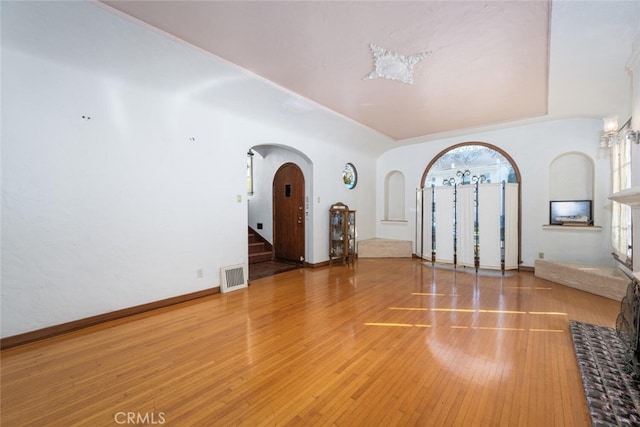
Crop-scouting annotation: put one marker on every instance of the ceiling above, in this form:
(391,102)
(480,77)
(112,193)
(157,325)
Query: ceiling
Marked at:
(488,62)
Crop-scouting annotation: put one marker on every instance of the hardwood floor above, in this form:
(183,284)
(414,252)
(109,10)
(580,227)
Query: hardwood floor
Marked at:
(380,342)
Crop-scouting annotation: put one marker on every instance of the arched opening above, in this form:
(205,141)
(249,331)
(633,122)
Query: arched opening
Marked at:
(468,208)
(267,160)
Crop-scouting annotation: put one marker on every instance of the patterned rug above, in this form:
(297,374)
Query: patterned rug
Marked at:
(612,392)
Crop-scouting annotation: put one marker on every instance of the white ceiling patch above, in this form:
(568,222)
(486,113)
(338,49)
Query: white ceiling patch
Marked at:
(390,65)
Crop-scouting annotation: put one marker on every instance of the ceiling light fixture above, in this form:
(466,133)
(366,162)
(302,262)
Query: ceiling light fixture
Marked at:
(390,65)
(612,134)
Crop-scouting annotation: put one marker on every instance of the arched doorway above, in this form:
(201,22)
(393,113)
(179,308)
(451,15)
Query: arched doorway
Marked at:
(289,213)
(469,208)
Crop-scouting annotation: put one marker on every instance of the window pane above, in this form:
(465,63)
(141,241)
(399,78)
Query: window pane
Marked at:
(468,163)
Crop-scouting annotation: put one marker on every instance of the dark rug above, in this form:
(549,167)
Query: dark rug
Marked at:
(612,391)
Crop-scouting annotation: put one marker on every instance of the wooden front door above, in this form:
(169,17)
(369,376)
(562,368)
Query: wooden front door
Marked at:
(288,213)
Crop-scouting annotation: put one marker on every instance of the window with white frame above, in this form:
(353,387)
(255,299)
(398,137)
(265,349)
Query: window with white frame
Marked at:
(250,173)
(620,213)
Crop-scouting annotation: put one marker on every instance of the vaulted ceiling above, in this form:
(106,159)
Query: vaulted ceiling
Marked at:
(484,63)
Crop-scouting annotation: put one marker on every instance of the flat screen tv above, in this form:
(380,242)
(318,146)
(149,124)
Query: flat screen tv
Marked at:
(571,212)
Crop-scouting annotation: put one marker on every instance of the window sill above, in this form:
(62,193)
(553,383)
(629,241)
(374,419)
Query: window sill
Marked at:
(572,227)
(394,221)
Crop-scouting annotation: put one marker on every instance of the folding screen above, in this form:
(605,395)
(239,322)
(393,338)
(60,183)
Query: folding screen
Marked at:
(474,225)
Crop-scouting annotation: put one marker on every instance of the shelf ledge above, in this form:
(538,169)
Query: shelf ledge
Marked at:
(629,196)
(572,227)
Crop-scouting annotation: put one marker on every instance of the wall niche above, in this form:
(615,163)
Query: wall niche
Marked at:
(394,207)
(571,178)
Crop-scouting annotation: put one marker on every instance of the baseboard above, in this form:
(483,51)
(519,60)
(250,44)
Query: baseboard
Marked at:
(316,265)
(51,331)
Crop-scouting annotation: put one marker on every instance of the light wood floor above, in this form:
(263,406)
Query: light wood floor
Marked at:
(382,342)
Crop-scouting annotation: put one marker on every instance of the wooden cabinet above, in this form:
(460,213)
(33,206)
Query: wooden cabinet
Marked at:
(342,233)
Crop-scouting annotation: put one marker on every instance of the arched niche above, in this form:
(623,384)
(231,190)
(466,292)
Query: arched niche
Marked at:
(394,208)
(571,177)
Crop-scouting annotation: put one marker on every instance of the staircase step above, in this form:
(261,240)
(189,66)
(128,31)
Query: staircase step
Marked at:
(256,247)
(259,249)
(260,257)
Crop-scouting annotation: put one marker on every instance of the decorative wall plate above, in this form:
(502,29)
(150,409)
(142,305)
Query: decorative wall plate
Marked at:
(349,176)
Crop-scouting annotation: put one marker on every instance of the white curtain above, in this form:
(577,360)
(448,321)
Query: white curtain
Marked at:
(621,214)
(423,228)
(466,218)
(490,206)
(511,227)
(444,224)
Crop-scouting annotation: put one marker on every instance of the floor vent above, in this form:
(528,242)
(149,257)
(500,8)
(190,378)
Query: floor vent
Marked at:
(233,277)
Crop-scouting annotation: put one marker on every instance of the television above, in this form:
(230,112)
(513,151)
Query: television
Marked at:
(571,212)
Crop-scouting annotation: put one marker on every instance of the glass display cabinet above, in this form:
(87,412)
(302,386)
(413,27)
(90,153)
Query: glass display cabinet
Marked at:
(342,233)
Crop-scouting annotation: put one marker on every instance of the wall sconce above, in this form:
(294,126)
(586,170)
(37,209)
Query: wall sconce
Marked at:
(610,136)
(612,133)
(632,136)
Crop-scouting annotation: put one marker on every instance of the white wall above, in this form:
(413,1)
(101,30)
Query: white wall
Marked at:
(104,213)
(126,207)
(533,148)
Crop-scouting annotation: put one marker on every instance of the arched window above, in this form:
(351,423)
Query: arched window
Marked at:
(469,205)
(468,162)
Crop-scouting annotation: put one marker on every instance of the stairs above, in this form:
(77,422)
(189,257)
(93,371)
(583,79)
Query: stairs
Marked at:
(259,249)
